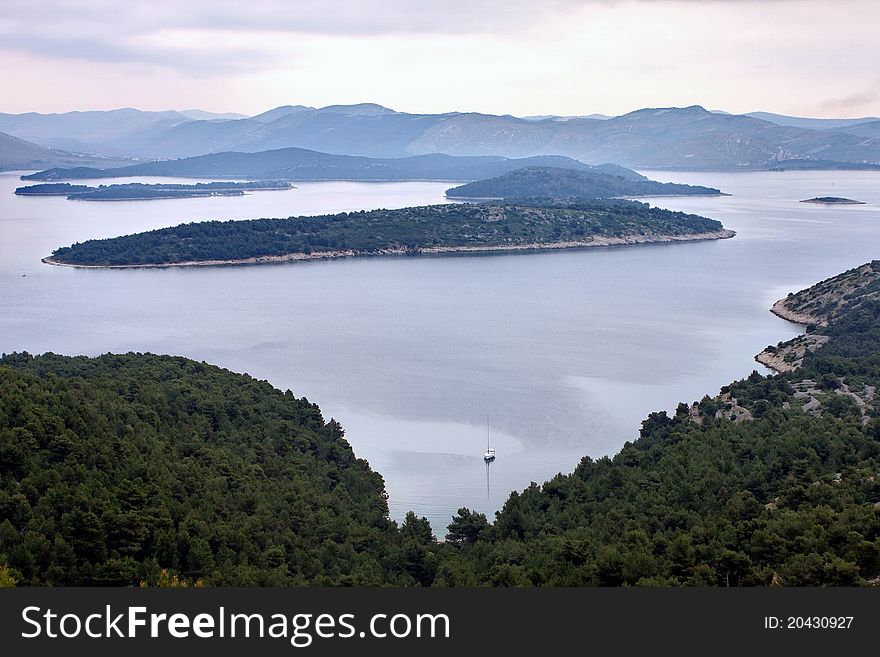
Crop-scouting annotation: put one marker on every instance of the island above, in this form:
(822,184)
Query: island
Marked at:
(148,192)
(832,200)
(560,183)
(433,229)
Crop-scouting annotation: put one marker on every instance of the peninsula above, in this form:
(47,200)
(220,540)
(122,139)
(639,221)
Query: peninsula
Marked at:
(433,229)
(144,192)
(817,307)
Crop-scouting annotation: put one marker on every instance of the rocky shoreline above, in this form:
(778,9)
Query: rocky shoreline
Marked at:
(434,250)
(781,310)
(790,356)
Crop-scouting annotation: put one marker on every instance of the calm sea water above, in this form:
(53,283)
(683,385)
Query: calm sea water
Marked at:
(564,353)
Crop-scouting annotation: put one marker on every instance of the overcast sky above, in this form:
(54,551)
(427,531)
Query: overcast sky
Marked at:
(801,57)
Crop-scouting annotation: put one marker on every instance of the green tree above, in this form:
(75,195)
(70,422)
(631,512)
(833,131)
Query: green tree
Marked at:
(466,527)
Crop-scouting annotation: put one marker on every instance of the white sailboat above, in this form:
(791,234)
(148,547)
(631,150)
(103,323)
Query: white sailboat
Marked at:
(489,454)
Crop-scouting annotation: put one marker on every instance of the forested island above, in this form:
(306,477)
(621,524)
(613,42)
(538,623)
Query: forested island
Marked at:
(559,183)
(833,200)
(122,469)
(146,192)
(430,229)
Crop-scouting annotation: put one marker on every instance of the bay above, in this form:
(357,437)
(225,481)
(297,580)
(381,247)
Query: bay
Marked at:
(563,352)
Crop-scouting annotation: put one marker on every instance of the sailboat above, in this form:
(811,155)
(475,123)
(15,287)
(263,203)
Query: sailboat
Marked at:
(489,454)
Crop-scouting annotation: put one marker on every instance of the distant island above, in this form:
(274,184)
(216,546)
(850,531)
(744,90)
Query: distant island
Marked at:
(144,192)
(434,229)
(558,183)
(833,200)
(303,164)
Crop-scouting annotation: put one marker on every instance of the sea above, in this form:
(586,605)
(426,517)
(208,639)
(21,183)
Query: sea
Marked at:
(547,356)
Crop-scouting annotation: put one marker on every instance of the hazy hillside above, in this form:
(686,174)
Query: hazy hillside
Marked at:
(870,129)
(550,182)
(809,123)
(690,138)
(340,130)
(17,154)
(110,132)
(301,164)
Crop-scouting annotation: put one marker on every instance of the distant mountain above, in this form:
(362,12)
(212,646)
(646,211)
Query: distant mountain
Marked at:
(359,109)
(668,138)
(278,112)
(301,164)
(808,123)
(870,129)
(656,138)
(17,154)
(369,130)
(561,117)
(555,183)
(103,132)
(202,115)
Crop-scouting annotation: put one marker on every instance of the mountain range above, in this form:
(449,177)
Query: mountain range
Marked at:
(656,138)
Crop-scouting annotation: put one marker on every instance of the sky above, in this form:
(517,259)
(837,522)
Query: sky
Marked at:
(568,57)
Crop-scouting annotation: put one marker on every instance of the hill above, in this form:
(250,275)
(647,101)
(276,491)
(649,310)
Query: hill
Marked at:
(407,231)
(301,164)
(549,182)
(114,468)
(113,132)
(869,129)
(809,123)
(17,154)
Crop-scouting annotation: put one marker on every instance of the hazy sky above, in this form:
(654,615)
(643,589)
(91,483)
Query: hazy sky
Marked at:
(802,57)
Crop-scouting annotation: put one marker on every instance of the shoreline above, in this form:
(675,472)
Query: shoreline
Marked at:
(775,360)
(805,319)
(724,233)
(624,197)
